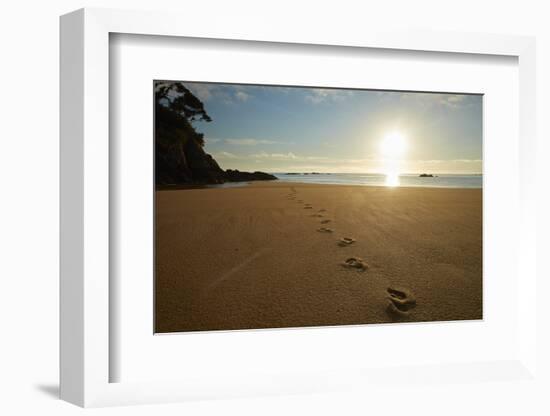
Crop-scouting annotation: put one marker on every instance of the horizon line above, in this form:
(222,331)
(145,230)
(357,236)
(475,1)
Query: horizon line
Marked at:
(367,173)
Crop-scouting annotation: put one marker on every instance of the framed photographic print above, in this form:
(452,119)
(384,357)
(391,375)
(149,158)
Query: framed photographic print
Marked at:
(291,214)
(280,206)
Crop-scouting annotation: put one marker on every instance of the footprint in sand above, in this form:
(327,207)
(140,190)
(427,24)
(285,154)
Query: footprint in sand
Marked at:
(325,230)
(401,301)
(346,241)
(356,263)
(308,207)
(317,215)
(325,221)
(322,210)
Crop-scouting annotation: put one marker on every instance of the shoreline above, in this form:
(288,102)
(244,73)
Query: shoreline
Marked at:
(226,185)
(252,257)
(454,181)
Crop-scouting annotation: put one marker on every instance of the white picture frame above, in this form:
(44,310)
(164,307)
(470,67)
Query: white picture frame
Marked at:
(85,219)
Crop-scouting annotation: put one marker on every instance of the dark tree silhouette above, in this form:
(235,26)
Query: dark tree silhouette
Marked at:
(179,149)
(176,97)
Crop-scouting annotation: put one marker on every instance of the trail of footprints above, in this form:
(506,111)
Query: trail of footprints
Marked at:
(400,300)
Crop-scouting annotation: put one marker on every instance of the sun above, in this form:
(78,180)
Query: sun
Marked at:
(393,145)
(392,149)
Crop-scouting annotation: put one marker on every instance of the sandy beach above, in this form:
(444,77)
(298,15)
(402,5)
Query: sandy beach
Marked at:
(269,254)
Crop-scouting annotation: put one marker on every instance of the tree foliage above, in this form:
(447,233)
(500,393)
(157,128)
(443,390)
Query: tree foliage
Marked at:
(176,97)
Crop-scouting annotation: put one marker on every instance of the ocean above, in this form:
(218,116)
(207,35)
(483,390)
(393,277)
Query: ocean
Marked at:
(369,179)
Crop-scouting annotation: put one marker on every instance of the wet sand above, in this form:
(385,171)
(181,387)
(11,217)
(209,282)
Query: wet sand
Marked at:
(277,254)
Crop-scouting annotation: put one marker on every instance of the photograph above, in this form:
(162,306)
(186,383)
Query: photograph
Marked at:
(281,206)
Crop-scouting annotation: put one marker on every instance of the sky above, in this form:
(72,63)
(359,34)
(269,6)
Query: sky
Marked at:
(299,129)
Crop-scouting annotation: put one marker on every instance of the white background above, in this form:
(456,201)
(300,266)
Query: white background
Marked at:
(135,63)
(29,209)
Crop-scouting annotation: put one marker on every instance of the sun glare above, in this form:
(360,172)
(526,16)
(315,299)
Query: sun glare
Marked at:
(394,145)
(392,148)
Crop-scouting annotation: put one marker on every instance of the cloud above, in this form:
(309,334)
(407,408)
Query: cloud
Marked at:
(248,142)
(228,94)
(242,96)
(316,96)
(203,91)
(285,156)
(279,156)
(455,98)
(467,160)
(319,95)
(224,155)
(452,101)
(243,141)
(439,161)
(429,100)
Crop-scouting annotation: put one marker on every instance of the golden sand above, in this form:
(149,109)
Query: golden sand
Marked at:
(253,256)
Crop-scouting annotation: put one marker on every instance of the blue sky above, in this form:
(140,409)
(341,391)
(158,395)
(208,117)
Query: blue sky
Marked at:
(288,129)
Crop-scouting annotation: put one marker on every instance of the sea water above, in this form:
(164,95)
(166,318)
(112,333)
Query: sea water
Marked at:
(368,179)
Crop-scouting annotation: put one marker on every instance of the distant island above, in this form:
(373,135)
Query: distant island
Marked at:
(306,173)
(180,158)
(426,175)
